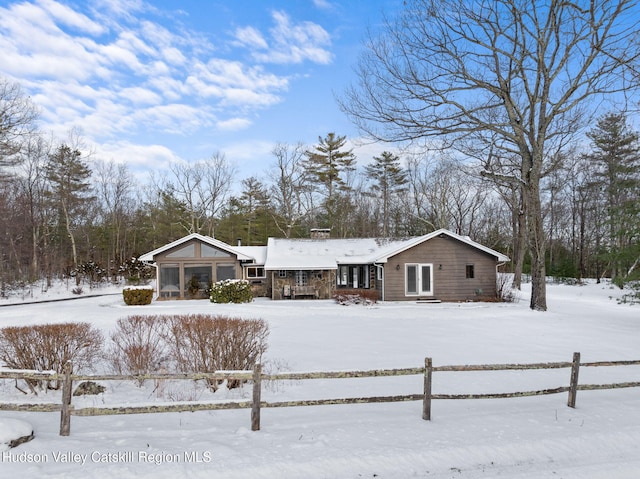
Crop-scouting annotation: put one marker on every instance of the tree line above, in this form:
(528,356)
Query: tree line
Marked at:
(64,213)
(502,100)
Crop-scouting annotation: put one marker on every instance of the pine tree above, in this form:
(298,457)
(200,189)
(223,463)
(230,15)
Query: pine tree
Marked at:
(328,165)
(389,179)
(69,177)
(616,159)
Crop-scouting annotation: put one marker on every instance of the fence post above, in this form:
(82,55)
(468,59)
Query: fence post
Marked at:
(426,402)
(573,387)
(257,387)
(65,411)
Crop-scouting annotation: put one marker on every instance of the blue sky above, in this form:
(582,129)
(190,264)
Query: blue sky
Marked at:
(152,82)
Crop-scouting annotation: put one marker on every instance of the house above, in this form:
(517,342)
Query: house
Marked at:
(439,266)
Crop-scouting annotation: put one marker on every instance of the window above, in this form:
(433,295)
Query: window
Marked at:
(188,251)
(169,280)
(255,272)
(282,273)
(225,271)
(201,273)
(302,278)
(470,273)
(343,275)
(207,251)
(418,279)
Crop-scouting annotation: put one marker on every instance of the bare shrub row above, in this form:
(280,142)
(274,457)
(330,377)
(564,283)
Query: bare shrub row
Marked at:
(139,345)
(187,343)
(47,347)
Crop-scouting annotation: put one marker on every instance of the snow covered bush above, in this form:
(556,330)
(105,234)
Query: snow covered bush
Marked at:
(135,296)
(203,343)
(137,345)
(633,294)
(47,347)
(231,291)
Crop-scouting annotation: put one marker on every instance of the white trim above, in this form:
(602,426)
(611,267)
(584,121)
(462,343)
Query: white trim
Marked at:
(419,279)
(416,241)
(149,257)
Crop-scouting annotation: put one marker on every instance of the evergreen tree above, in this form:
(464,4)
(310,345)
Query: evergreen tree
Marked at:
(328,166)
(616,177)
(389,179)
(68,176)
(254,198)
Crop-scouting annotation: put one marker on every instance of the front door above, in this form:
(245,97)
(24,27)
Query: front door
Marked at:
(419,279)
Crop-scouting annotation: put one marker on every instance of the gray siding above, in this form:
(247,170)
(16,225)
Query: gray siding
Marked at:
(449,282)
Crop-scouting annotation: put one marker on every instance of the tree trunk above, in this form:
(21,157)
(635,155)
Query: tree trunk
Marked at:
(536,247)
(519,214)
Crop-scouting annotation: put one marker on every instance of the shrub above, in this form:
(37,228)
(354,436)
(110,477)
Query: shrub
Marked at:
(137,296)
(231,291)
(138,346)
(199,343)
(193,287)
(356,296)
(633,296)
(505,293)
(47,347)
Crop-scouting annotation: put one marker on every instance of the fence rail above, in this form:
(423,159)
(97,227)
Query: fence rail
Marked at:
(256,377)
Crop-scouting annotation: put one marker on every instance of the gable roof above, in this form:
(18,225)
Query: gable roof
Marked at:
(385,255)
(321,254)
(241,255)
(292,254)
(327,254)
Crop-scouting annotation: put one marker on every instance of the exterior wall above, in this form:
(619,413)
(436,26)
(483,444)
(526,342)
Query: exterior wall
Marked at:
(261,287)
(323,282)
(194,258)
(449,281)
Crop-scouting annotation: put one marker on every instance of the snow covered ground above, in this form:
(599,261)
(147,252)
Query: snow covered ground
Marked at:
(535,437)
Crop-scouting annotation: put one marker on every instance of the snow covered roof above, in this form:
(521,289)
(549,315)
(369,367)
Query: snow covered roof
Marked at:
(292,254)
(385,255)
(258,253)
(325,254)
(321,254)
(205,239)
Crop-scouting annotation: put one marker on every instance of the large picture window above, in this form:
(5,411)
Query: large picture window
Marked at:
(418,279)
(225,271)
(201,274)
(169,280)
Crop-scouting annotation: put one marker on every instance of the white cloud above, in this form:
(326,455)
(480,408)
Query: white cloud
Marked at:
(136,156)
(115,71)
(71,18)
(289,42)
(233,124)
(251,37)
(323,4)
(235,83)
(141,96)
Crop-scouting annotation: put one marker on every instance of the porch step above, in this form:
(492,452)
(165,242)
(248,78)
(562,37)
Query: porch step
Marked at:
(432,300)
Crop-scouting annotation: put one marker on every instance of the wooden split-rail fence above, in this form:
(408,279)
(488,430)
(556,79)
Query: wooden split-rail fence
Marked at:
(257,377)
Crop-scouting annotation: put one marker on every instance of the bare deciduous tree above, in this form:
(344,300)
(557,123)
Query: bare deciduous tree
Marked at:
(290,192)
(517,74)
(114,186)
(17,120)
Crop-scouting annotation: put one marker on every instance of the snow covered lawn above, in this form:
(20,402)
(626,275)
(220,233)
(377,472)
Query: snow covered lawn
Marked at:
(536,437)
